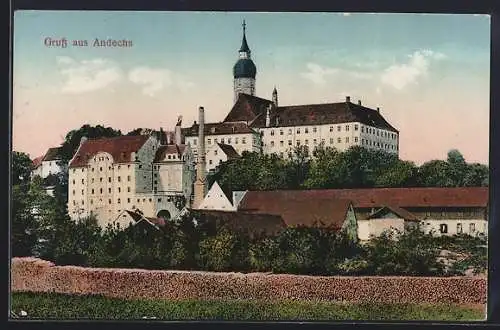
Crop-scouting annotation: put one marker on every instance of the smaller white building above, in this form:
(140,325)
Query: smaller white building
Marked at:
(216,200)
(48,164)
(219,153)
(386,219)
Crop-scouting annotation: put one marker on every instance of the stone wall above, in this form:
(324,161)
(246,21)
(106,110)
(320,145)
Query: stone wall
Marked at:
(36,275)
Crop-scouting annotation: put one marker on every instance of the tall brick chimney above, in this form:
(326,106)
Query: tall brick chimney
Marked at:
(200,183)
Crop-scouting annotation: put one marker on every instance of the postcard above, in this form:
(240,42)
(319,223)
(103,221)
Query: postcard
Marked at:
(250,166)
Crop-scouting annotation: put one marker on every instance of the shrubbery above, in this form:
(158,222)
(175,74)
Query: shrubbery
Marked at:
(311,251)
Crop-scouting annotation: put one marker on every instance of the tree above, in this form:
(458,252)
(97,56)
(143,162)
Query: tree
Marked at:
(400,174)
(435,173)
(298,167)
(457,167)
(73,138)
(477,175)
(22,166)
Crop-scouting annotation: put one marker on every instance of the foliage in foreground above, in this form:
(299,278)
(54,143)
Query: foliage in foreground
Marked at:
(60,306)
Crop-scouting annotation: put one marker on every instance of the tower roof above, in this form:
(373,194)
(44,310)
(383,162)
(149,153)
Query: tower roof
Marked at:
(244,45)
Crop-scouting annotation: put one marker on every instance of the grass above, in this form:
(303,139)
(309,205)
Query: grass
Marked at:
(61,306)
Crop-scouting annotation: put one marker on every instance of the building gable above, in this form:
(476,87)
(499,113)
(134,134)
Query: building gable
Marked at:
(216,199)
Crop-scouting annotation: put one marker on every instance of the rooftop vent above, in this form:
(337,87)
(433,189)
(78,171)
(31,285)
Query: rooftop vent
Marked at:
(359,102)
(348,99)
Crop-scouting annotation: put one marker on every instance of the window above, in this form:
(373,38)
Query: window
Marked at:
(92,169)
(128,189)
(128,178)
(272,132)
(74,202)
(109,179)
(100,190)
(378,132)
(472,228)
(306,142)
(140,166)
(100,169)
(128,200)
(306,130)
(281,131)
(339,128)
(73,181)
(119,167)
(83,181)
(74,170)
(289,131)
(347,140)
(74,192)
(347,128)
(362,129)
(236,141)
(315,141)
(243,140)
(331,128)
(289,142)
(83,192)
(195,141)
(443,228)
(100,179)
(222,140)
(150,200)
(272,143)
(215,152)
(281,143)
(109,190)
(315,129)
(119,179)
(210,162)
(339,140)
(209,141)
(128,166)
(459,228)
(331,140)
(92,191)
(356,127)
(109,202)
(91,201)
(92,180)
(298,130)
(119,201)
(119,189)
(83,202)
(355,139)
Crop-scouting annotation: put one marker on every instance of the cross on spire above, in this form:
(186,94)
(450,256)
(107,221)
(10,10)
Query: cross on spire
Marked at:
(244,26)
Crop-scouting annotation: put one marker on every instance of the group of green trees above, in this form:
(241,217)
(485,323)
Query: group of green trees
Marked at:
(40,224)
(356,167)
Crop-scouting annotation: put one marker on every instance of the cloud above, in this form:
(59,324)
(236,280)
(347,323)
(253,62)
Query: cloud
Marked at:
(317,73)
(157,79)
(401,75)
(87,75)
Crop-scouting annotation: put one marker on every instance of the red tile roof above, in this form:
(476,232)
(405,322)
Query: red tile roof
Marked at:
(247,108)
(242,222)
(324,114)
(229,151)
(297,211)
(37,161)
(378,197)
(53,154)
(404,214)
(168,150)
(219,129)
(119,147)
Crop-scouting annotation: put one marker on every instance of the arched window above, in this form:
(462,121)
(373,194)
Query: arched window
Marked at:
(459,228)
(443,228)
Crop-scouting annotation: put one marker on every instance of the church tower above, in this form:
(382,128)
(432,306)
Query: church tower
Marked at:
(244,71)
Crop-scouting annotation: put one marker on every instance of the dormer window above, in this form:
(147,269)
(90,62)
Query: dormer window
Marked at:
(212,130)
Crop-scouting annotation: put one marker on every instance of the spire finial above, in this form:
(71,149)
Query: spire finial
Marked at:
(244,26)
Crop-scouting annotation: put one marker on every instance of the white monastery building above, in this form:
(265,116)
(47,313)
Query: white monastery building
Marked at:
(255,124)
(48,164)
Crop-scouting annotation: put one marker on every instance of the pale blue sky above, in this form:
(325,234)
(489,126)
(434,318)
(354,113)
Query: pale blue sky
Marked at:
(428,73)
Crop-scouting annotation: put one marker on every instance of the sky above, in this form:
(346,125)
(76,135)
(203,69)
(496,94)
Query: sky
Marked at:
(428,73)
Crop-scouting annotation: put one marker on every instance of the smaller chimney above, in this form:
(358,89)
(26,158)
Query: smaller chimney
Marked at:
(348,99)
(83,139)
(268,116)
(359,102)
(168,137)
(378,109)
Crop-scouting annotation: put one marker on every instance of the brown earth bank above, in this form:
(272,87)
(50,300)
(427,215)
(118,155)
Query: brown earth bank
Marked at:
(36,275)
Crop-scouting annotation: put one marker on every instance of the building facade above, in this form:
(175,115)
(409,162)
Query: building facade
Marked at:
(256,124)
(110,175)
(48,164)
